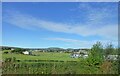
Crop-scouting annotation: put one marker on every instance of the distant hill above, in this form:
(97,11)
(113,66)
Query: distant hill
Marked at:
(50,49)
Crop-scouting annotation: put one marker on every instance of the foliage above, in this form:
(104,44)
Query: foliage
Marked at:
(109,49)
(56,68)
(59,63)
(18,50)
(5,52)
(6,48)
(96,55)
(13,59)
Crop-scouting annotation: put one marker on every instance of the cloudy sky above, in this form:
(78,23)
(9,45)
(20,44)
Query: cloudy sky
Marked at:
(65,24)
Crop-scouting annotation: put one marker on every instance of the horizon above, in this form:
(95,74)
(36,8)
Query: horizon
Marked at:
(59,24)
(41,47)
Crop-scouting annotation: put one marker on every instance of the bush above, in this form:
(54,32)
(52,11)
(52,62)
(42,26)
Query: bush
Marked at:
(5,52)
(10,59)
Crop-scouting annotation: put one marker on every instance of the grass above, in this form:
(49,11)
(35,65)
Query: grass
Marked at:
(42,56)
(0,55)
(78,67)
(48,68)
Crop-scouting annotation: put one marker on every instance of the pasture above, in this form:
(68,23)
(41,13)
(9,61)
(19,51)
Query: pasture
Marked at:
(42,56)
(52,63)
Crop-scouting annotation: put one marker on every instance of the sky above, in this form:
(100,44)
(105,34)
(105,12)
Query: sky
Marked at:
(59,24)
(61,0)
(0,23)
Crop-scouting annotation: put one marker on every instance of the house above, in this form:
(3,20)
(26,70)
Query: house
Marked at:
(75,55)
(27,53)
(80,53)
(12,49)
(112,57)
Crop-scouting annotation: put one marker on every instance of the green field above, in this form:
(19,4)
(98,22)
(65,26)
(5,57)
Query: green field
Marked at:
(61,63)
(42,56)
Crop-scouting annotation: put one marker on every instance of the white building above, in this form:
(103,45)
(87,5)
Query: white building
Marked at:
(12,49)
(26,52)
(75,55)
(81,53)
(112,57)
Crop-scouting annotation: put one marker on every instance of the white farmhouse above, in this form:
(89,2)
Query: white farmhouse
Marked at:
(26,52)
(12,49)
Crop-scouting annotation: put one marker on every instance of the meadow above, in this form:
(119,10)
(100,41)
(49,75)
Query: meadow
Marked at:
(52,63)
(41,56)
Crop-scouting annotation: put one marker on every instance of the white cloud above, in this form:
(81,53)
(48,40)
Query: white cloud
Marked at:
(63,39)
(29,22)
(98,14)
(74,42)
(82,43)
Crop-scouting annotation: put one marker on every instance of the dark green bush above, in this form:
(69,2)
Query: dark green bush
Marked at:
(5,52)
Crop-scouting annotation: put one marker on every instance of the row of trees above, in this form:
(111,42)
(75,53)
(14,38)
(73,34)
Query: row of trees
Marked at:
(18,50)
(51,49)
(98,49)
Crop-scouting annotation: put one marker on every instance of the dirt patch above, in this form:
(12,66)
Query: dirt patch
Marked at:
(106,67)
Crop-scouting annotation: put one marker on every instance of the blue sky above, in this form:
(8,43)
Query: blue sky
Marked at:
(55,24)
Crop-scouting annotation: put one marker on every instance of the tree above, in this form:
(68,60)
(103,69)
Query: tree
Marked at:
(18,50)
(5,48)
(109,49)
(96,55)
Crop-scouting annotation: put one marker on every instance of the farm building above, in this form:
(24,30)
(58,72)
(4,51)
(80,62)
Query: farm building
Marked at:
(112,57)
(27,53)
(81,53)
(75,55)
(12,49)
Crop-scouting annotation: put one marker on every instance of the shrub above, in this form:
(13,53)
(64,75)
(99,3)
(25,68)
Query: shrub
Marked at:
(13,59)
(5,52)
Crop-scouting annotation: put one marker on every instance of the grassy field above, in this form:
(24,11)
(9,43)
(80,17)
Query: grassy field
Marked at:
(75,66)
(42,56)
